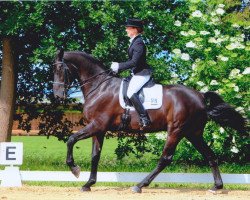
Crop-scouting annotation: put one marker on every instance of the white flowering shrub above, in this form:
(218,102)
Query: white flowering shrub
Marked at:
(213,54)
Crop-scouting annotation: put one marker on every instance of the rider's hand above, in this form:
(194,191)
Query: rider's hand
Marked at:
(115,66)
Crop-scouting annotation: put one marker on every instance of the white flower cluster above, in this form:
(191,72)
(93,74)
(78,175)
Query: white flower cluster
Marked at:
(204,89)
(160,136)
(234,86)
(221,5)
(222,58)
(188,33)
(204,32)
(217,40)
(174,75)
(183,56)
(222,130)
(177,51)
(238,38)
(217,32)
(240,109)
(220,11)
(197,13)
(177,23)
(200,83)
(236,25)
(235,45)
(234,73)
(246,71)
(214,82)
(234,149)
(194,66)
(191,44)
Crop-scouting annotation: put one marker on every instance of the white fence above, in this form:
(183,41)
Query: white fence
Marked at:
(132,177)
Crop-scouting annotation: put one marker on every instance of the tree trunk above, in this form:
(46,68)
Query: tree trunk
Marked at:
(7,90)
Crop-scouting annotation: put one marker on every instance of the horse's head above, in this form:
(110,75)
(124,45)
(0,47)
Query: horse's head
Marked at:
(73,65)
(61,79)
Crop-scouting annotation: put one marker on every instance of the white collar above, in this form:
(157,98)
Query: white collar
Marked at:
(131,39)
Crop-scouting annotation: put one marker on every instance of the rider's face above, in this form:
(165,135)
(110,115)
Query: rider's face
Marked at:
(131,31)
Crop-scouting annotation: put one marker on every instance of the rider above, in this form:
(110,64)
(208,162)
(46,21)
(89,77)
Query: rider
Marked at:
(140,70)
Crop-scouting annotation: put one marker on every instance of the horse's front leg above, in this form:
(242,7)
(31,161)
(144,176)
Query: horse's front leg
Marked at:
(88,131)
(96,153)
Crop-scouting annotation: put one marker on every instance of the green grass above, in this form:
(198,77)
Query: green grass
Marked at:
(45,154)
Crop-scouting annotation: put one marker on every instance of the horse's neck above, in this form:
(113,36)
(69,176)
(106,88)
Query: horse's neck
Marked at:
(85,74)
(91,75)
(100,86)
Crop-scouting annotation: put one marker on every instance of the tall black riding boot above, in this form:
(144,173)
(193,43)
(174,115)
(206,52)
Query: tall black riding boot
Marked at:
(144,118)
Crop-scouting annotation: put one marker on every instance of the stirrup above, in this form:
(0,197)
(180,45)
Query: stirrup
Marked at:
(125,120)
(144,122)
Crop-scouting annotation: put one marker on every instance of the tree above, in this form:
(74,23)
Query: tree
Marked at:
(7,91)
(13,24)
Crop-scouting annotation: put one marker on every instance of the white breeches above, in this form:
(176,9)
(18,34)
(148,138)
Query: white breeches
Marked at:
(136,84)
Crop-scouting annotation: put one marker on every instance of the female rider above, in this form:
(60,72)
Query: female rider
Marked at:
(140,70)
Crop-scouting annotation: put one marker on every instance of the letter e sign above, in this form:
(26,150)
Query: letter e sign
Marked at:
(11,153)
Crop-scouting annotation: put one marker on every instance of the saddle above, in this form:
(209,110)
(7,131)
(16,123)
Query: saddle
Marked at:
(150,95)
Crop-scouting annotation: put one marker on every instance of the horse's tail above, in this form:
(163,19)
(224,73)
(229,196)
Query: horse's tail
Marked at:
(222,113)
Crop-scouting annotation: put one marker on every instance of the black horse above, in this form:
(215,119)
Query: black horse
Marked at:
(184,113)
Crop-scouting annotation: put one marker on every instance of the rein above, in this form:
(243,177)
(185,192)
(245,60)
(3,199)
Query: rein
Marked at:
(85,82)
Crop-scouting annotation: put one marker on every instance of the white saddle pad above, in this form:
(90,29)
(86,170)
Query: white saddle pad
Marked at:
(152,97)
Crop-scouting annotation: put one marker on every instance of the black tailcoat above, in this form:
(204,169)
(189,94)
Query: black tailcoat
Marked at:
(137,58)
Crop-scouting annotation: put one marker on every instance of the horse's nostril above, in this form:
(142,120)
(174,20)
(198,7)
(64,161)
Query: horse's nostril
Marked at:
(59,95)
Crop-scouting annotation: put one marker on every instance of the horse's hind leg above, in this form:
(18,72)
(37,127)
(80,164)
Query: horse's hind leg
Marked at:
(209,155)
(96,153)
(165,160)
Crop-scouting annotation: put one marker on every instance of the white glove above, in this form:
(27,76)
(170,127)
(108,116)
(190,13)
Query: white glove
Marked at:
(115,66)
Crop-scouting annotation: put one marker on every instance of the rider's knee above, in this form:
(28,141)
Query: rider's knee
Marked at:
(130,94)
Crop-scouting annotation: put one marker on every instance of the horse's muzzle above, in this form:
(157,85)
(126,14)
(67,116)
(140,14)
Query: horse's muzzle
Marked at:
(59,94)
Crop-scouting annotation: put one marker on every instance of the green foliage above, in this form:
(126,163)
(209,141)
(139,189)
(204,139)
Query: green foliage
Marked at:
(213,54)
(134,143)
(203,44)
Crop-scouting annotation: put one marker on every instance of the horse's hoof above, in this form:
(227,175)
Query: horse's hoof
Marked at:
(136,189)
(85,189)
(217,190)
(76,171)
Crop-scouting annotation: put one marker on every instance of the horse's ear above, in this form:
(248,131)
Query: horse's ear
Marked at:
(60,54)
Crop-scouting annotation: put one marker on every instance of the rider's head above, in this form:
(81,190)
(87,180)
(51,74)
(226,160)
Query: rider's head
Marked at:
(134,27)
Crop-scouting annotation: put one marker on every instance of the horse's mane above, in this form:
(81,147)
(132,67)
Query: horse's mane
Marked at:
(88,57)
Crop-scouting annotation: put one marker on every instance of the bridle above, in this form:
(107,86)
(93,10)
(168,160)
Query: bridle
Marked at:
(67,73)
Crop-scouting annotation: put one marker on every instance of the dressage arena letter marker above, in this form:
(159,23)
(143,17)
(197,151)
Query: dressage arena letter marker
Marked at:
(11,153)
